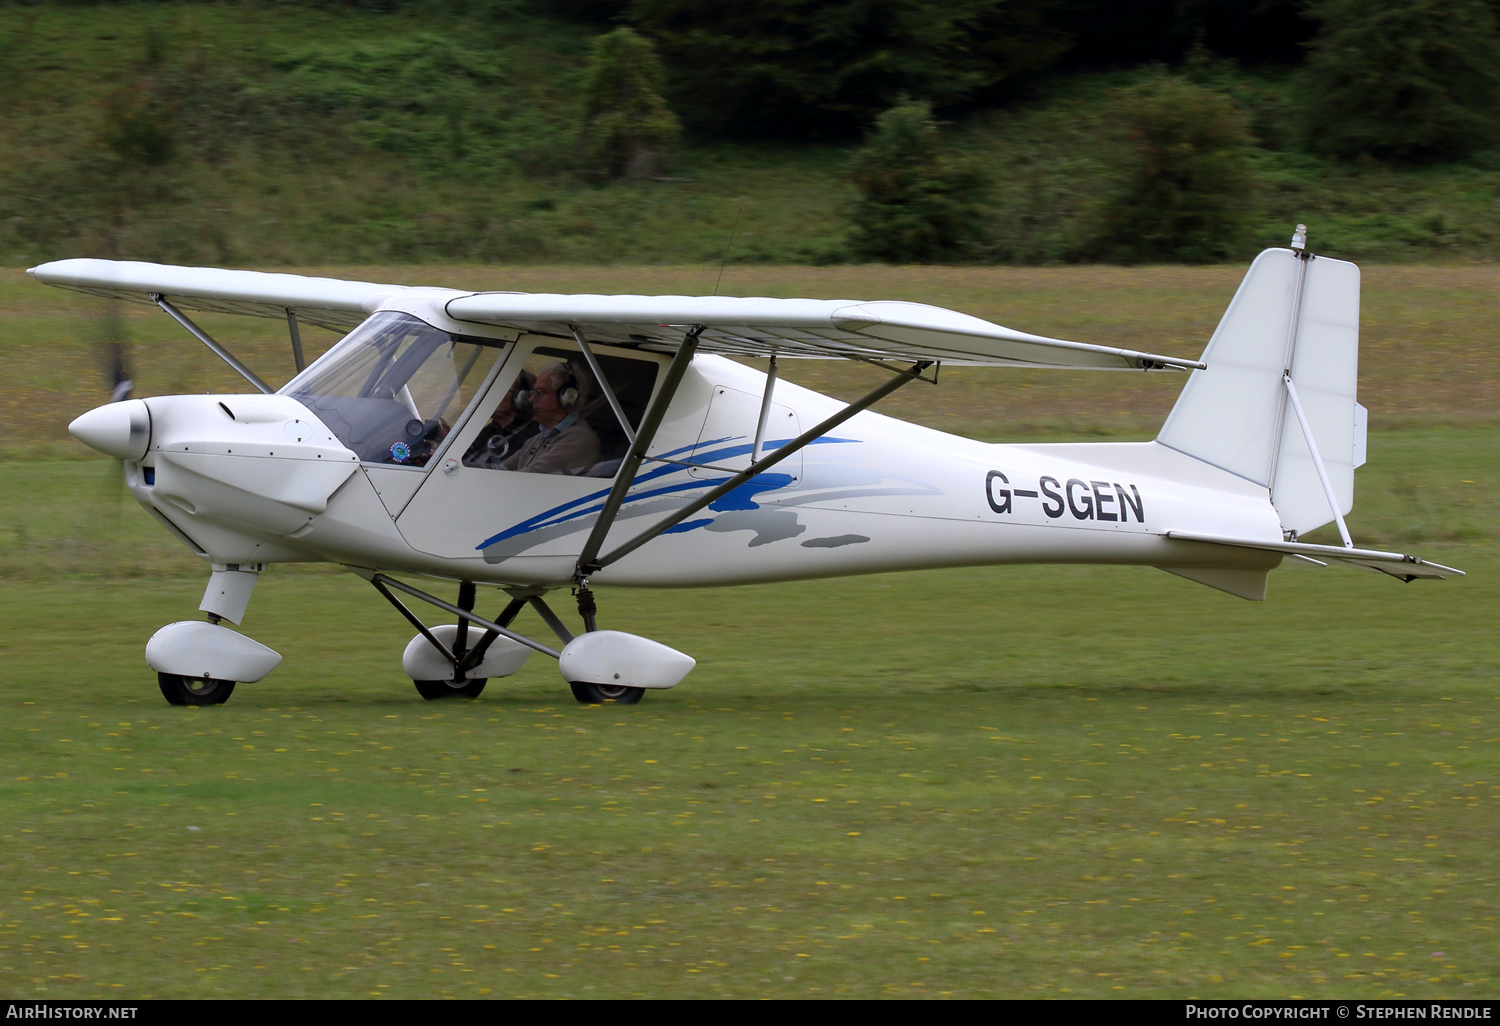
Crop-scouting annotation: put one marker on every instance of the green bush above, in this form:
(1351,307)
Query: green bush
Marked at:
(1405,80)
(446,109)
(137,125)
(397,92)
(627,130)
(1188,181)
(918,203)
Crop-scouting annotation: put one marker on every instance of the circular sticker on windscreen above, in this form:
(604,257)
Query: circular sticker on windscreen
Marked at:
(400,452)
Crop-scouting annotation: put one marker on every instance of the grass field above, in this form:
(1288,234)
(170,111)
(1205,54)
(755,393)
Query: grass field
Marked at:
(994,782)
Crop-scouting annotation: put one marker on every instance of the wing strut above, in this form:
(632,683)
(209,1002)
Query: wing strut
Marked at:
(218,350)
(765,410)
(593,565)
(609,393)
(637,453)
(296,333)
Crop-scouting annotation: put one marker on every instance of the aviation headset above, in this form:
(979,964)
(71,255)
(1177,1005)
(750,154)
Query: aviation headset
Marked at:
(566,380)
(520,390)
(497,445)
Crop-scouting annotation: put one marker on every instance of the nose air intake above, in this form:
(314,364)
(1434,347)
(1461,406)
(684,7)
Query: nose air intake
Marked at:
(121,430)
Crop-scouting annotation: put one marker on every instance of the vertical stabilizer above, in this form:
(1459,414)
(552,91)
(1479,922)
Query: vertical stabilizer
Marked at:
(1295,316)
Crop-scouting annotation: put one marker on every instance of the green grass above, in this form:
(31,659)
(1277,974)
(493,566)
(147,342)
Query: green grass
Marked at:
(998,782)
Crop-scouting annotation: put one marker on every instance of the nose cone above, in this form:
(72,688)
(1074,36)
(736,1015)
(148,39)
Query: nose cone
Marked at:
(122,430)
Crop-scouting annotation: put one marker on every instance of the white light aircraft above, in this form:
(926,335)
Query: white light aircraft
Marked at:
(539,443)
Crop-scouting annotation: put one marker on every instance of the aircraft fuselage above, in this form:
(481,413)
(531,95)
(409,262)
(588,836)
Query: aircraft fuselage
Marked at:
(232,477)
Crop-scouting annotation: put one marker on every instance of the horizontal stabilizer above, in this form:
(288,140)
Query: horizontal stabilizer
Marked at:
(1407,568)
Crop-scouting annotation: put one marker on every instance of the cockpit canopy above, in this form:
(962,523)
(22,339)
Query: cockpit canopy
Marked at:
(392,387)
(395,390)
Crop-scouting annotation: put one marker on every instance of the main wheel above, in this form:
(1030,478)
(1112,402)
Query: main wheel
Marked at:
(180,690)
(431,689)
(606,694)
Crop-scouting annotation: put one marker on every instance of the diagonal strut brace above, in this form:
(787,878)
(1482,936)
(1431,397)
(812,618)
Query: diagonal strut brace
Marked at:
(476,654)
(415,621)
(755,468)
(382,582)
(465,660)
(208,340)
(637,452)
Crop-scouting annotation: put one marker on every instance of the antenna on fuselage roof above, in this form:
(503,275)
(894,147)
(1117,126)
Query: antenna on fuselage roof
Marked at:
(727,247)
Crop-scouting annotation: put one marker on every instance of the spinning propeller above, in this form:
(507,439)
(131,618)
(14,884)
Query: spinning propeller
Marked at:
(114,354)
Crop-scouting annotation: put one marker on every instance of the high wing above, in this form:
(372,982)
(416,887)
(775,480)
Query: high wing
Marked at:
(816,328)
(326,302)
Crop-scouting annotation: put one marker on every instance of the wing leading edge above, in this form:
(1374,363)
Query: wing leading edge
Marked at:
(327,302)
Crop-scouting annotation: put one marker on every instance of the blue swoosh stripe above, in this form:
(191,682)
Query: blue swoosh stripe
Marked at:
(570,510)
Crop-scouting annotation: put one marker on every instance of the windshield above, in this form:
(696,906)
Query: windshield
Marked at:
(395,386)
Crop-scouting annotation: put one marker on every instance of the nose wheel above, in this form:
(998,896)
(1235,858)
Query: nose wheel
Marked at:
(199,663)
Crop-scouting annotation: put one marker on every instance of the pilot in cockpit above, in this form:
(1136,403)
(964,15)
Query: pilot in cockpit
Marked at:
(564,442)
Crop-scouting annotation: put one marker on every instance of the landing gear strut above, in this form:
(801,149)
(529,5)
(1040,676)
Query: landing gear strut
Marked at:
(448,661)
(599,666)
(598,694)
(458,686)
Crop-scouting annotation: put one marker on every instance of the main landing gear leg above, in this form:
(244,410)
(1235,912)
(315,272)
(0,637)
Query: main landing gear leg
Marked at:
(458,685)
(441,661)
(603,666)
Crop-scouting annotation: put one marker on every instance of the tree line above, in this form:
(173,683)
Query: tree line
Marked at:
(1195,105)
(1401,81)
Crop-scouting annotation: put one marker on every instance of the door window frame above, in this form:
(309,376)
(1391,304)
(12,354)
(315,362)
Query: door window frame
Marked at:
(511,365)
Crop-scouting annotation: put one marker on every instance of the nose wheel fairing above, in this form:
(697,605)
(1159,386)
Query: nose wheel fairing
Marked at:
(195,649)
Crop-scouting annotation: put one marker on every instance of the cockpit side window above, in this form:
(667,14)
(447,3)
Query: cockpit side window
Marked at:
(553,416)
(394,387)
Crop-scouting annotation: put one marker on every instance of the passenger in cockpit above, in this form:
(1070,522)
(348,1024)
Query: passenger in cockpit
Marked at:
(564,443)
(507,430)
